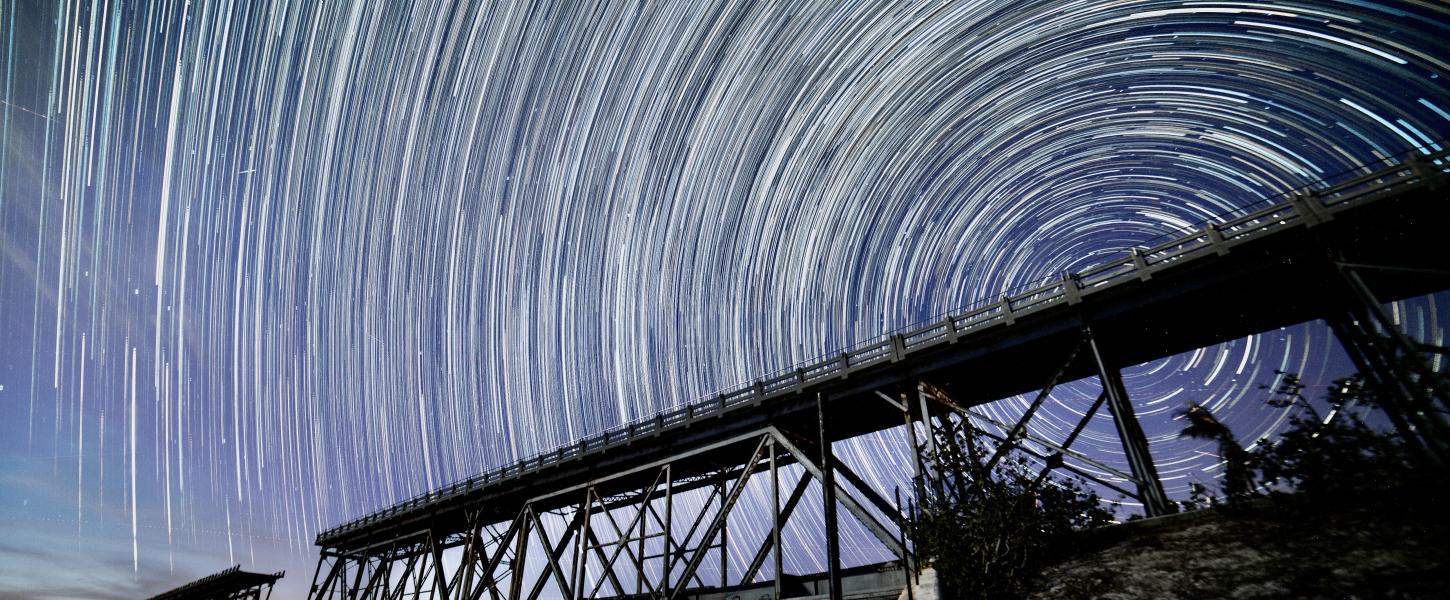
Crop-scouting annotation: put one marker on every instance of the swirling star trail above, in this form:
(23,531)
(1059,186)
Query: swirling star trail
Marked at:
(270,265)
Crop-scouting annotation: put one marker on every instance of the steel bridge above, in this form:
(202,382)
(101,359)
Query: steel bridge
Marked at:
(230,584)
(601,517)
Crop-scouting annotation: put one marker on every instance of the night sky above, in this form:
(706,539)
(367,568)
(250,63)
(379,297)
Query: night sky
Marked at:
(268,266)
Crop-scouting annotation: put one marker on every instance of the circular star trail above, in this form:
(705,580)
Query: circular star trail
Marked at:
(271,265)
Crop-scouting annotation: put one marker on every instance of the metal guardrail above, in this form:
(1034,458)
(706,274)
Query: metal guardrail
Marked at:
(1307,205)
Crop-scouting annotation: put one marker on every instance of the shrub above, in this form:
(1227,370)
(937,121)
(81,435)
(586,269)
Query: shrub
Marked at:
(988,531)
(1335,455)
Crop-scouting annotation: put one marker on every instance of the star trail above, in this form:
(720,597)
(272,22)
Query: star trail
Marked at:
(268,266)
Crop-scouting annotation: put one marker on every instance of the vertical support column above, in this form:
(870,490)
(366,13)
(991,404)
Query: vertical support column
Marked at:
(516,586)
(928,483)
(362,564)
(724,540)
(440,576)
(463,580)
(828,484)
(910,431)
(581,559)
(668,560)
(1135,444)
(640,558)
(321,558)
(775,517)
(420,574)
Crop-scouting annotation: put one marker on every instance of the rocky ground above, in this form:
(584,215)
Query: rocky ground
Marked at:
(1269,550)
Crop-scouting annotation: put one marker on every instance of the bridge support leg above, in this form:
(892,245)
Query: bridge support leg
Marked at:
(782,516)
(1392,363)
(776,518)
(930,484)
(724,546)
(516,586)
(669,532)
(324,590)
(1135,444)
(1394,386)
(828,482)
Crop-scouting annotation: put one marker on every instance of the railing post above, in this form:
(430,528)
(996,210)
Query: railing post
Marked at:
(1071,288)
(1215,239)
(898,347)
(1307,205)
(1006,304)
(1429,175)
(1140,264)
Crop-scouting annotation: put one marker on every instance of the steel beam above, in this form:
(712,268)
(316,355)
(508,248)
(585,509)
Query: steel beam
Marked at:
(828,484)
(776,519)
(1020,428)
(1135,444)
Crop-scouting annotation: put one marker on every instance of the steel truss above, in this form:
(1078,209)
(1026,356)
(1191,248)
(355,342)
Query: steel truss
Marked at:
(643,543)
(949,424)
(1414,396)
(638,544)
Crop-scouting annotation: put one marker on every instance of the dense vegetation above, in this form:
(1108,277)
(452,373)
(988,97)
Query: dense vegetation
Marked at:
(1333,456)
(989,525)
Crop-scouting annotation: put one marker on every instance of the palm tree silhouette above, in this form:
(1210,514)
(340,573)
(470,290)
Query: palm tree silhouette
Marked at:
(1204,426)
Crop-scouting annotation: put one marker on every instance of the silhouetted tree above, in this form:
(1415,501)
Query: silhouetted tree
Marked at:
(1335,454)
(989,531)
(1238,481)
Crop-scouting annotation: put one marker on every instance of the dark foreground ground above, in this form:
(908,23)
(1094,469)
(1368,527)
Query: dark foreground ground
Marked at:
(1394,549)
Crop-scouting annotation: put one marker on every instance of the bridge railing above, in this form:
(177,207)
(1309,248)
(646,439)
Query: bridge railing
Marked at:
(1292,208)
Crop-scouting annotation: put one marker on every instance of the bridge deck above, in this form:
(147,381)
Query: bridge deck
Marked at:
(1250,274)
(231,583)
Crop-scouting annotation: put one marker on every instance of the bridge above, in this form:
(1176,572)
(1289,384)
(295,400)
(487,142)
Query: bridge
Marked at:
(603,517)
(230,584)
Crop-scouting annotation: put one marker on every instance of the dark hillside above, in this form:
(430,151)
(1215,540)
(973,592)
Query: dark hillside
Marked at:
(1265,550)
